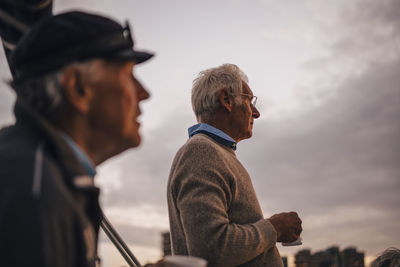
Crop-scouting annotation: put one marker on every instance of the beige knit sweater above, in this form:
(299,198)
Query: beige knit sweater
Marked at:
(213,209)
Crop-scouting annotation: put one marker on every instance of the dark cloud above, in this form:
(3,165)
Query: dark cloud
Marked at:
(357,130)
(340,156)
(336,164)
(385,13)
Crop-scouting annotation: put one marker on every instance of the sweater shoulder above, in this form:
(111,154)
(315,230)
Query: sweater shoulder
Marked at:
(205,145)
(201,156)
(200,151)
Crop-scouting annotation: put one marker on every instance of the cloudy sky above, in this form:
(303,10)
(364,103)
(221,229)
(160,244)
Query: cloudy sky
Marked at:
(327,142)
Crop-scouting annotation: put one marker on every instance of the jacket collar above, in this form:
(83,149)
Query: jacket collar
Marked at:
(55,143)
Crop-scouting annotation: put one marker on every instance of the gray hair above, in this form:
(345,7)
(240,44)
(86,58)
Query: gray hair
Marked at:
(207,85)
(44,93)
(389,258)
(41,93)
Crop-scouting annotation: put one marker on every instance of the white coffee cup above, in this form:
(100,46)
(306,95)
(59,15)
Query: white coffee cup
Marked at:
(184,261)
(297,242)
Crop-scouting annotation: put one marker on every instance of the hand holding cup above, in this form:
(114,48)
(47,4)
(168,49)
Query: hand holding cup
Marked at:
(287,226)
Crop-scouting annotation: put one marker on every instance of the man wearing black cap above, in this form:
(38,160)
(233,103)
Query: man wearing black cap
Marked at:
(77,105)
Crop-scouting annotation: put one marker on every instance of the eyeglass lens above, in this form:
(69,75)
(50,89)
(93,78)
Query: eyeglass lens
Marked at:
(254,101)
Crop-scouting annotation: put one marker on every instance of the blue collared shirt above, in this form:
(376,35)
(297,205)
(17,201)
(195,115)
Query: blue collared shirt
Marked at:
(216,134)
(82,157)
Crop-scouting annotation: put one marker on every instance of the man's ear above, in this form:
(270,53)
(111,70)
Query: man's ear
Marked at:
(77,94)
(225,100)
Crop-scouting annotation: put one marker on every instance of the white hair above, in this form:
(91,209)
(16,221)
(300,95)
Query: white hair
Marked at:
(207,85)
(41,93)
(389,258)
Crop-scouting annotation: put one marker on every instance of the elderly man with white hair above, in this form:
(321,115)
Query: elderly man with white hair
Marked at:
(213,208)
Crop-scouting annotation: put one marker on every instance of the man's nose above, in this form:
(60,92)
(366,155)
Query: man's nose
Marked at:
(255,113)
(144,94)
(141,91)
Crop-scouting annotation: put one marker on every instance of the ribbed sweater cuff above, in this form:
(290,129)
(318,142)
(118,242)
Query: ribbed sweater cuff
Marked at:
(268,233)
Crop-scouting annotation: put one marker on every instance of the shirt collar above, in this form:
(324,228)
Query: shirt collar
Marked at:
(81,156)
(216,134)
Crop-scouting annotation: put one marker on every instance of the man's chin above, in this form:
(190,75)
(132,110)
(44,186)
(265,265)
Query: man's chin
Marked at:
(246,136)
(136,141)
(131,141)
(250,133)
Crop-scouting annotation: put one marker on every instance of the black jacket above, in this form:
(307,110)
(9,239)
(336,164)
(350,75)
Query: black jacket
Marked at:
(49,211)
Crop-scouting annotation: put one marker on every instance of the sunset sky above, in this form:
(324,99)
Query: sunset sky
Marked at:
(327,77)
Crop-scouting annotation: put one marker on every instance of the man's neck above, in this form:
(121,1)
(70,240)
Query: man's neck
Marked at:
(223,123)
(78,130)
(97,147)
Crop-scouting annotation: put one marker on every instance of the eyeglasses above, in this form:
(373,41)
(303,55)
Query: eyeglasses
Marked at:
(253,99)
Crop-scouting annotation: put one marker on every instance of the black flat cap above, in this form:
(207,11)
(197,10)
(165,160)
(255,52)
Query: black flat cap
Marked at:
(57,41)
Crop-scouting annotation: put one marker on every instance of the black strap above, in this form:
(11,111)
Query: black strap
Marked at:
(118,242)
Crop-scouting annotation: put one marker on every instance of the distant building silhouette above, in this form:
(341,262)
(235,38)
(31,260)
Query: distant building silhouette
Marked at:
(352,258)
(303,258)
(336,256)
(331,257)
